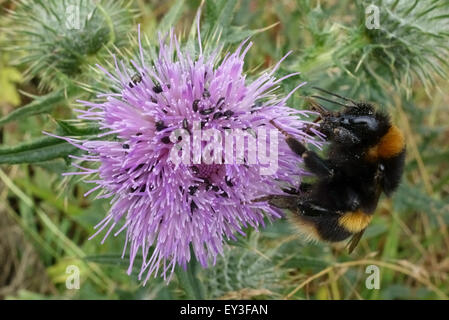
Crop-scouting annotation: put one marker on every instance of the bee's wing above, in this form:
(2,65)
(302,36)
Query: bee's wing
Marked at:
(355,240)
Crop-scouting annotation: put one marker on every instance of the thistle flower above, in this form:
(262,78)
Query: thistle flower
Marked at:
(62,38)
(168,208)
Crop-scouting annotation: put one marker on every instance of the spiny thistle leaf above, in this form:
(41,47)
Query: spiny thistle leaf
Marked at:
(218,26)
(48,148)
(40,149)
(57,40)
(40,105)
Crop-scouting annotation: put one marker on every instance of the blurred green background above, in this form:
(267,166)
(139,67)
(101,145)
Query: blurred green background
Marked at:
(45,221)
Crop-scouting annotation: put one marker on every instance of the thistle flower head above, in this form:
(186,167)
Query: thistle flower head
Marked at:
(62,38)
(167,208)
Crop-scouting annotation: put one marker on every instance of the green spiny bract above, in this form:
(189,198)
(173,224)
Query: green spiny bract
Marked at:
(241,270)
(57,41)
(412,40)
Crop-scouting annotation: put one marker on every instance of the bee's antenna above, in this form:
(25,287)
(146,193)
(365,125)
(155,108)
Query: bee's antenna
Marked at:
(336,95)
(332,101)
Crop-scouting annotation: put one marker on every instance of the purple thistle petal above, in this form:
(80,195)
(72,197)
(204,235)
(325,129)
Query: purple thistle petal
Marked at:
(174,208)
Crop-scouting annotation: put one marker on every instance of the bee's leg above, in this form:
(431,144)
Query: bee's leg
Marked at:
(291,190)
(344,136)
(308,129)
(296,146)
(352,200)
(315,164)
(312,160)
(296,204)
(303,188)
(308,208)
(279,201)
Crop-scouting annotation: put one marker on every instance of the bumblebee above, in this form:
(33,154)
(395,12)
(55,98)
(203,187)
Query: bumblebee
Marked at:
(365,158)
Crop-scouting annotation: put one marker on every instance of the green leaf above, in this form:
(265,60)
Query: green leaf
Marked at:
(237,34)
(43,104)
(217,19)
(41,149)
(211,13)
(227,8)
(77,128)
(49,196)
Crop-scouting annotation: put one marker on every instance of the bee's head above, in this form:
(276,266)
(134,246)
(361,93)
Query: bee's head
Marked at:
(358,124)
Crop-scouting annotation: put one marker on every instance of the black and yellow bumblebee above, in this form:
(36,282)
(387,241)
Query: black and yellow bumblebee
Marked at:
(365,157)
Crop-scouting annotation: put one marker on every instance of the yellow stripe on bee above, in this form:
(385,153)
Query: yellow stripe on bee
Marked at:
(391,144)
(354,221)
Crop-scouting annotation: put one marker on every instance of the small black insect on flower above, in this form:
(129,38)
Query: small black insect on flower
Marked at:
(135,79)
